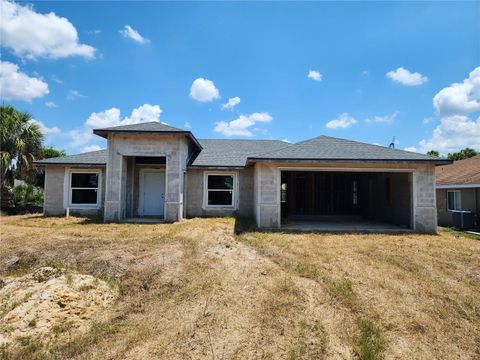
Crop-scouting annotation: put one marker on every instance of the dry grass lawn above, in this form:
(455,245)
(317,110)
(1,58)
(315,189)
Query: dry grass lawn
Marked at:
(195,290)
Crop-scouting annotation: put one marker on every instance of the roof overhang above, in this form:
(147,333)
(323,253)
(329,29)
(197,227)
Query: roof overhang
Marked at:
(104,133)
(436,162)
(77,165)
(214,167)
(458,186)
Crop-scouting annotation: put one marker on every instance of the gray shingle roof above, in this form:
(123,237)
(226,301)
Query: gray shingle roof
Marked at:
(152,126)
(89,158)
(228,152)
(234,153)
(330,148)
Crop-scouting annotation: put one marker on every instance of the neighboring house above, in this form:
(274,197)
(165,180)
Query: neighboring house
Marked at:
(458,189)
(158,171)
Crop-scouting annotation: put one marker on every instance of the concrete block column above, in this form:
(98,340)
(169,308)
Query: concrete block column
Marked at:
(113,184)
(267,196)
(425,207)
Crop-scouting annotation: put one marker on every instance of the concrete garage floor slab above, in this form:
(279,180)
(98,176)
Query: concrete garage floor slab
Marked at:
(343,226)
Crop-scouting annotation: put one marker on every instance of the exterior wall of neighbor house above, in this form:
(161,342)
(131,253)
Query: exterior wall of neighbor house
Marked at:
(195,193)
(122,146)
(469,201)
(267,190)
(57,189)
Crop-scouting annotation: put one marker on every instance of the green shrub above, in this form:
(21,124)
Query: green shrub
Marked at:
(27,194)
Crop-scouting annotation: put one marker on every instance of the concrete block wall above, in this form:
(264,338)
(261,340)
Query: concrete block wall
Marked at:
(425,199)
(195,188)
(120,146)
(55,198)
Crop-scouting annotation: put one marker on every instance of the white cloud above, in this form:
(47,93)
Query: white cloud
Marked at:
(111,117)
(16,85)
(459,98)
(428,120)
(286,140)
(130,33)
(240,126)
(103,119)
(314,75)
(204,90)
(80,137)
(187,125)
(91,148)
(74,94)
(405,77)
(31,35)
(411,148)
(342,122)
(44,129)
(452,134)
(382,119)
(231,103)
(456,130)
(50,104)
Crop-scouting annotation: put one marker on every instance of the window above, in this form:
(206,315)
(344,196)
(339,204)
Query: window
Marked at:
(454,200)
(84,189)
(220,190)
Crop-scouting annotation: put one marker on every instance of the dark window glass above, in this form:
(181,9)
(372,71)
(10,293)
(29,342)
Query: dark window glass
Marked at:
(220,197)
(223,182)
(84,196)
(84,180)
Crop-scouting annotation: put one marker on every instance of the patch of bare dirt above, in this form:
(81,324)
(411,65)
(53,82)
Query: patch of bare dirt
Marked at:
(49,301)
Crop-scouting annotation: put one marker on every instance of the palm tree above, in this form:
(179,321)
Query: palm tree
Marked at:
(20,143)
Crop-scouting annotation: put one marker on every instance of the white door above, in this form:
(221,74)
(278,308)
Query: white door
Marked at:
(153,192)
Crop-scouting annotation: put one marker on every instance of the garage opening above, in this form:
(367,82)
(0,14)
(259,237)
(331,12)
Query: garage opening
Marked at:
(328,200)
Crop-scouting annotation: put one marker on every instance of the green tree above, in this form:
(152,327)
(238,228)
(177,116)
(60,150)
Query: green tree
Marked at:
(21,142)
(50,152)
(433,153)
(462,154)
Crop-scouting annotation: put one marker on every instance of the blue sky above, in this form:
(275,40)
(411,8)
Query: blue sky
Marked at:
(377,70)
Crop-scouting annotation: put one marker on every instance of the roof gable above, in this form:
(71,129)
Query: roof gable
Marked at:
(331,148)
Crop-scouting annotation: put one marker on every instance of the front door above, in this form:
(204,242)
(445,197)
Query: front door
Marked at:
(153,195)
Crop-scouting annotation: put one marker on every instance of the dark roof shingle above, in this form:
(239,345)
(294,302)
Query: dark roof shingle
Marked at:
(235,153)
(89,158)
(330,148)
(152,126)
(232,153)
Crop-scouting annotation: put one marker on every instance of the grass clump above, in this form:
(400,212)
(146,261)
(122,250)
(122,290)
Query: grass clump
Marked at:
(343,291)
(312,343)
(370,341)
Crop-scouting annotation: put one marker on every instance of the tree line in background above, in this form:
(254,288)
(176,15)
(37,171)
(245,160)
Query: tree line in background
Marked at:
(21,144)
(459,155)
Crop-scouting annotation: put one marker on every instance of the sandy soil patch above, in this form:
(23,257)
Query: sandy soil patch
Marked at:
(50,301)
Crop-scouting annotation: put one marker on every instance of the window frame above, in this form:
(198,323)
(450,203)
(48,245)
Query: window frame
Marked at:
(69,189)
(234,175)
(455,192)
